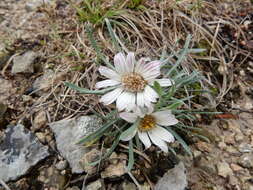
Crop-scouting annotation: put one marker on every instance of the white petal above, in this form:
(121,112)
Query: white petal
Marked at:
(125,100)
(128,138)
(163,134)
(106,83)
(140,99)
(110,97)
(141,64)
(130,62)
(109,73)
(150,76)
(119,63)
(164,82)
(129,117)
(151,70)
(158,142)
(150,94)
(144,139)
(150,109)
(139,111)
(165,118)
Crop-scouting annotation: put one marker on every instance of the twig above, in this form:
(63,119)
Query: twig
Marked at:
(4,184)
(8,63)
(137,152)
(133,178)
(84,181)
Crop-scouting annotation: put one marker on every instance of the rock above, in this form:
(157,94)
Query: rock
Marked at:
(233,180)
(32,5)
(222,145)
(128,186)
(19,151)
(196,153)
(68,133)
(24,63)
(96,185)
(145,186)
(204,147)
(173,179)
(73,188)
(6,90)
(40,120)
(245,148)
(246,160)
(41,137)
(61,165)
(88,158)
(114,170)
(231,149)
(206,165)
(239,137)
(236,167)
(223,169)
(229,139)
(51,177)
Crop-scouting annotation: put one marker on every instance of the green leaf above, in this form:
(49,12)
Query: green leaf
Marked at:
(89,31)
(87,91)
(182,56)
(97,134)
(158,88)
(197,50)
(112,34)
(128,132)
(181,141)
(175,105)
(130,156)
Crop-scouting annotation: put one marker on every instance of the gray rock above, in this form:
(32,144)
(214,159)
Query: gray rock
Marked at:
(19,151)
(61,165)
(223,169)
(245,148)
(68,133)
(24,63)
(246,161)
(174,179)
(32,5)
(96,185)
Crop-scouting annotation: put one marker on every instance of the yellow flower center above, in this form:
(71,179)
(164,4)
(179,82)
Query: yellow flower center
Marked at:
(133,82)
(147,123)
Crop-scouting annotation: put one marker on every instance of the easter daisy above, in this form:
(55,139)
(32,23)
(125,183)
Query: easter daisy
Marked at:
(132,80)
(149,127)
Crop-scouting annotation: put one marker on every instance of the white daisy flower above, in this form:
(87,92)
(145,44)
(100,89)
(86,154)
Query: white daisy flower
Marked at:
(150,128)
(132,81)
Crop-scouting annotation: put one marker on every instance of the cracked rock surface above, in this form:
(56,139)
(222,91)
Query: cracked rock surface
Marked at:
(19,151)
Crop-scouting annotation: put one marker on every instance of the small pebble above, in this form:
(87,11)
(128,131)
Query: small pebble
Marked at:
(41,137)
(61,165)
(245,148)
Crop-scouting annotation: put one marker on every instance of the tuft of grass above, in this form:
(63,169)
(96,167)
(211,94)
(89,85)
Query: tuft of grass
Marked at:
(95,11)
(136,4)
